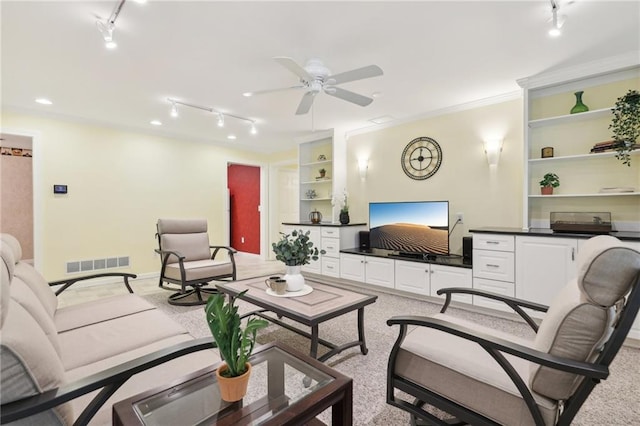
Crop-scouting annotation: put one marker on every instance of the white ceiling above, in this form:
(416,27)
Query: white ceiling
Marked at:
(435,54)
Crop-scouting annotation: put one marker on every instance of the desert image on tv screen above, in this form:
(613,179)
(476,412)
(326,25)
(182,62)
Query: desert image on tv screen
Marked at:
(421,227)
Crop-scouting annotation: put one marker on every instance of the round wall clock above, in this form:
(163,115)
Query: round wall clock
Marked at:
(421,158)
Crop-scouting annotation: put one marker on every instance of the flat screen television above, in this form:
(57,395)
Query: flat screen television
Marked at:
(410,227)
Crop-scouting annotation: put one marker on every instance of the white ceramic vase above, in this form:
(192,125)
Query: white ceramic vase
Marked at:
(295,280)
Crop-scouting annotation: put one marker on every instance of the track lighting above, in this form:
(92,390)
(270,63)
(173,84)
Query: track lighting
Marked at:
(221,116)
(106,28)
(557,21)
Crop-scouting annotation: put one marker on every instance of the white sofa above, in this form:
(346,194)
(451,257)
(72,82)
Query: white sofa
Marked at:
(70,353)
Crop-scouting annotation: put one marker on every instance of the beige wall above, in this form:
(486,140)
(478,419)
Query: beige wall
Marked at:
(120,183)
(487,196)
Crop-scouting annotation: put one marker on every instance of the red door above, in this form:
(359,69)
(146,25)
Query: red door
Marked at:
(244,204)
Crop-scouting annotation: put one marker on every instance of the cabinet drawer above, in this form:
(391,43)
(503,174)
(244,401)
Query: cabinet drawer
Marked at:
(330,232)
(331,267)
(493,242)
(331,246)
(493,265)
(499,287)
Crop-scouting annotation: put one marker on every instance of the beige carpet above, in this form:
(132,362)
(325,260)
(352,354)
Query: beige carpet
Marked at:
(614,402)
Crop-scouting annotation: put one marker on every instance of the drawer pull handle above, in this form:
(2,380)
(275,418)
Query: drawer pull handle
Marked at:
(329,267)
(573,254)
(491,265)
(493,242)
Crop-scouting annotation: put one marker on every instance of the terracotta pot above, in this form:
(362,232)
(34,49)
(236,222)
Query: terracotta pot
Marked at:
(546,190)
(233,389)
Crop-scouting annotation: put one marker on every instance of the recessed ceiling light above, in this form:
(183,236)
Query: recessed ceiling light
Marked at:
(232,137)
(156,122)
(382,119)
(44,101)
(247,94)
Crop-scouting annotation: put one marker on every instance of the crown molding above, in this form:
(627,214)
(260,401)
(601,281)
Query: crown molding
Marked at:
(588,69)
(505,97)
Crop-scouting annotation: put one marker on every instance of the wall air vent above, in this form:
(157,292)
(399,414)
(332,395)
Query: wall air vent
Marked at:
(75,266)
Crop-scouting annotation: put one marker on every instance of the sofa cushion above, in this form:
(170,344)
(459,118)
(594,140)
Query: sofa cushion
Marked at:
(86,345)
(191,246)
(39,285)
(199,270)
(30,365)
(21,293)
(12,244)
(6,275)
(464,372)
(146,380)
(99,310)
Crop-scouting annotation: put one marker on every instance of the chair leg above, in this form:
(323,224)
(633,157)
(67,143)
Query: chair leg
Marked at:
(417,421)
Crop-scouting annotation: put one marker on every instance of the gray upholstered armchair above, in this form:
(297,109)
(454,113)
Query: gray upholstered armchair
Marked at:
(480,376)
(189,261)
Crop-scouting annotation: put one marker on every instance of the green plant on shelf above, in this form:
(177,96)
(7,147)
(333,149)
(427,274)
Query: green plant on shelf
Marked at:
(550,180)
(626,125)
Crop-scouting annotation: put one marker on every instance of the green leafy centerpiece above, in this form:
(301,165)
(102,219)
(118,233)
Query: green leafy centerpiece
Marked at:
(294,250)
(234,343)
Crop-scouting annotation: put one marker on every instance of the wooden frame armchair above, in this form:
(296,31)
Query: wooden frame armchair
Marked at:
(188,260)
(481,376)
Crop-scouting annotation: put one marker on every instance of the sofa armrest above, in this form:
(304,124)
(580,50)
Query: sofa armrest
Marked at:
(71,281)
(512,302)
(108,380)
(230,250)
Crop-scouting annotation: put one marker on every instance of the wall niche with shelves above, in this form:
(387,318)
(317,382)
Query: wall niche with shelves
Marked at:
(316,189)
(588,181)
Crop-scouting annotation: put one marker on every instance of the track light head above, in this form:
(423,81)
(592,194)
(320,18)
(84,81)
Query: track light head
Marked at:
(253,130)
(557,21)
(220,120)
(106,30)
(174,110)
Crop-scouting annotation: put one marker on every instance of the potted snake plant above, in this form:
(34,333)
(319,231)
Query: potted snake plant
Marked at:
(235,344)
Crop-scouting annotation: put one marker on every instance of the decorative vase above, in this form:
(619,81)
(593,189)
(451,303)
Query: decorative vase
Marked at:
(295,280)
(344,218)
(546,190)
(315,217)
(579,106)
(233,389)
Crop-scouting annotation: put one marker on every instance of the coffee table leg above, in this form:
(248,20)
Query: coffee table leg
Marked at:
(363,343)
(342,411)
(314,342)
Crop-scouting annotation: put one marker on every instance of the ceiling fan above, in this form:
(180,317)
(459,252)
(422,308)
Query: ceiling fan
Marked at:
(316,78)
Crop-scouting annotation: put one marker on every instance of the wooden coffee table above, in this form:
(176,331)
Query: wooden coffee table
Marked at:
(325,302)
(276,395)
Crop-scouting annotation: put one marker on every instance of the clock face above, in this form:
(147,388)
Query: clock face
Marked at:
(421,158)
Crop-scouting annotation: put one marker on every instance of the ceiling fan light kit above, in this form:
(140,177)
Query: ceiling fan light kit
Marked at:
(315,78)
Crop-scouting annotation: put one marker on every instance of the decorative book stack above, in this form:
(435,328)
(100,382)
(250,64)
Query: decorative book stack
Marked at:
(610,146)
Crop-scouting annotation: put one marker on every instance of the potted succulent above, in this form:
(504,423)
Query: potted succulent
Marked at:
(322,172)
(234,343)
(548,182)
(295,249)
(626,125)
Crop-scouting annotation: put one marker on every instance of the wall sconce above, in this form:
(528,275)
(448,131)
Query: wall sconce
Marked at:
(492,148)
(363,165)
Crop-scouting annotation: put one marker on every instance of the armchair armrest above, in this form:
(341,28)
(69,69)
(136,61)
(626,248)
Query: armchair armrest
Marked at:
(166,253)
(512,302)
(71,281)
(109,380)
(230,250)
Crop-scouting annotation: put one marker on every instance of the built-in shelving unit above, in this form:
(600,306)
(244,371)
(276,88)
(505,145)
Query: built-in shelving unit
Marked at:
(547,102)
(312,157)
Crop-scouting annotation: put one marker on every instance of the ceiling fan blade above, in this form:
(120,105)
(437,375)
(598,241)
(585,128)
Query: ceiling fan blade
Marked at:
(348,96)
(357,74)
(293,66)
(305,103)
(262,92)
